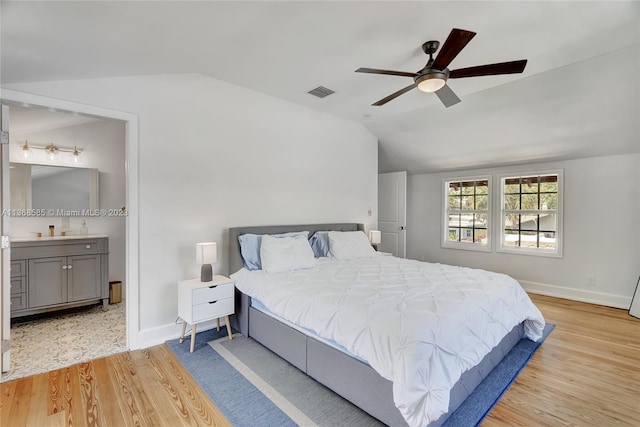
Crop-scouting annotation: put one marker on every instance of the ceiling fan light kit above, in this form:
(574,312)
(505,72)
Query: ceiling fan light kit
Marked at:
(433,77)
(431,82)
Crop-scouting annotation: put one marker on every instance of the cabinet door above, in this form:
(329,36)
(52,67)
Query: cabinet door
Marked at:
(47,281)
(84,277)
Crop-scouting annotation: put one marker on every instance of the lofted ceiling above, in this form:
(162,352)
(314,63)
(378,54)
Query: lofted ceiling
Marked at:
(580,87)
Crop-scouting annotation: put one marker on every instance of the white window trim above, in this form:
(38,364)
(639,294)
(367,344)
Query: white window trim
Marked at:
(499,204)
(444,223)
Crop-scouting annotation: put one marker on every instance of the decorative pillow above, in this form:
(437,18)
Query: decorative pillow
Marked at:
(344,245)
(320,243)
(250,247)
(285,254)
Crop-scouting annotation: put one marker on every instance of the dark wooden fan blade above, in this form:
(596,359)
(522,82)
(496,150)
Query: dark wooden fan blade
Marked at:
(456,41)
(394,95)
(512,67)
(447,96)
(387,72)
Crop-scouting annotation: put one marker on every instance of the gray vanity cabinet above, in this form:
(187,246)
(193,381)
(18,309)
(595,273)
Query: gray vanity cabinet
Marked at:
(47,282)
(18,285)
(83,277)
(62,273)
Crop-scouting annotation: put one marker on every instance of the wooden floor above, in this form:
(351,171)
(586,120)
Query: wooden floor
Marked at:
(587,373)
(138,388)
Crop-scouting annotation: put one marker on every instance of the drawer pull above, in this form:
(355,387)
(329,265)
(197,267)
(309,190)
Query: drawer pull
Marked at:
(213,286)
(88,246)
(213,302)
(70,267)
(64,267)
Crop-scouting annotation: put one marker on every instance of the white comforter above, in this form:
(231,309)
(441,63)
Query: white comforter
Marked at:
(418,324)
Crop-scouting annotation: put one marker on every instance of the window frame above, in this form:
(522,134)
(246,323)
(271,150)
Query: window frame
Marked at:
(500,207)
(479,247)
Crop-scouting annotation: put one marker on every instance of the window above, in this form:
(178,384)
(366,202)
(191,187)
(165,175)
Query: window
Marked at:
(531,214)
(467,214)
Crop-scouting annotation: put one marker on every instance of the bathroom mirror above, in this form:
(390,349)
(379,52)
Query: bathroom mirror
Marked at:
(56,190)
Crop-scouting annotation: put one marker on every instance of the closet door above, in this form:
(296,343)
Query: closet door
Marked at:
(392,212)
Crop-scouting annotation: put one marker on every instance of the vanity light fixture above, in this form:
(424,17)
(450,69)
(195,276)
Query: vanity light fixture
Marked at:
(51,150)
(26,150)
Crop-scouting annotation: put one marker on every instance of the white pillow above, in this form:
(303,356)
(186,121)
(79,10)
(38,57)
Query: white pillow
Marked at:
(344,245)
(280,254)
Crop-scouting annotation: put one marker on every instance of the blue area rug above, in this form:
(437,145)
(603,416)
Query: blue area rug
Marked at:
(244,405)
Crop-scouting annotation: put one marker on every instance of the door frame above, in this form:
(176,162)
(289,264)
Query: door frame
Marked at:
(5,252)
(132,285)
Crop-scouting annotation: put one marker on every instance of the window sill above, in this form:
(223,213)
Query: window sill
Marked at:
(467,247)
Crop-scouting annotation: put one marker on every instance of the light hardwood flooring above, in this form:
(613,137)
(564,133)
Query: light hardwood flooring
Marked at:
(138,388)
(587,373)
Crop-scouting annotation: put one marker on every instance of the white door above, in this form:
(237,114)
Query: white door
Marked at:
(5,264)
(392,212)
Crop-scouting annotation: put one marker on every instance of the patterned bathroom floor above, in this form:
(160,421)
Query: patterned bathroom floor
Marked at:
(44,344)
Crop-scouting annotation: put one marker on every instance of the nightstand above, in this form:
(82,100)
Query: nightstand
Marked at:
(201,301)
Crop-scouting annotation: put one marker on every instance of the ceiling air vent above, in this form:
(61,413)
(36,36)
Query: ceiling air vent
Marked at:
(321,92)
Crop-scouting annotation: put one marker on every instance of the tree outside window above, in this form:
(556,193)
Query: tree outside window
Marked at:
(531,213)
(467,216)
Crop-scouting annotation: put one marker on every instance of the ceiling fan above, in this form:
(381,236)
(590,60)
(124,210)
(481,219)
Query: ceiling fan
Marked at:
(433,77)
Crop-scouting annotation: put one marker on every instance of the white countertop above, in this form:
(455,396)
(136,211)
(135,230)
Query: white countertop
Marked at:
(70,237)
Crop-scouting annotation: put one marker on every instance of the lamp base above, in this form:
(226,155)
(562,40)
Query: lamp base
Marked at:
(206,273)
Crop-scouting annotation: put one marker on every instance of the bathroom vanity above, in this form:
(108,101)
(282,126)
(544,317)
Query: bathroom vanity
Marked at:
(54,273)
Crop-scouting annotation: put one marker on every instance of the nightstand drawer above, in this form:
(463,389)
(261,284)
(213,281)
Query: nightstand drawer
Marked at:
(207,294)
(213,309)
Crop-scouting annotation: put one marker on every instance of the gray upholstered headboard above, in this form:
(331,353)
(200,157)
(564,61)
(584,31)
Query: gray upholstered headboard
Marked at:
(235,258)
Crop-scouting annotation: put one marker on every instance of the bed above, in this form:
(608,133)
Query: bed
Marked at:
(326,360)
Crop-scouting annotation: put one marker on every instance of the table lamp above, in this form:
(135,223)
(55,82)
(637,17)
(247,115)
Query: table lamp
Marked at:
(206,254)
(375,237)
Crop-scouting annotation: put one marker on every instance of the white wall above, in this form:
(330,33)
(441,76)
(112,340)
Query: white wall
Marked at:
(102,145)
(214,155)
(601,212)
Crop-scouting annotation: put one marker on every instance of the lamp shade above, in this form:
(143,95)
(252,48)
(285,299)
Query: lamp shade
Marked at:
(206,253)
(375,236)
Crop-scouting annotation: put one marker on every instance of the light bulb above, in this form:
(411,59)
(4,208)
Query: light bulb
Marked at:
(26,150)
(52,151)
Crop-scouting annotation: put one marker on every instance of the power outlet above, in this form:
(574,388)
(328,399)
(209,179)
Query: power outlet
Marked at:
(591,281)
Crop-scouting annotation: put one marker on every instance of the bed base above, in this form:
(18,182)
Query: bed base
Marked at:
(350,378)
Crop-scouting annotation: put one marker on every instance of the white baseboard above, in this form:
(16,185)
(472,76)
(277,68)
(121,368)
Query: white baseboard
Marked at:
(583,295)
(160,334)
